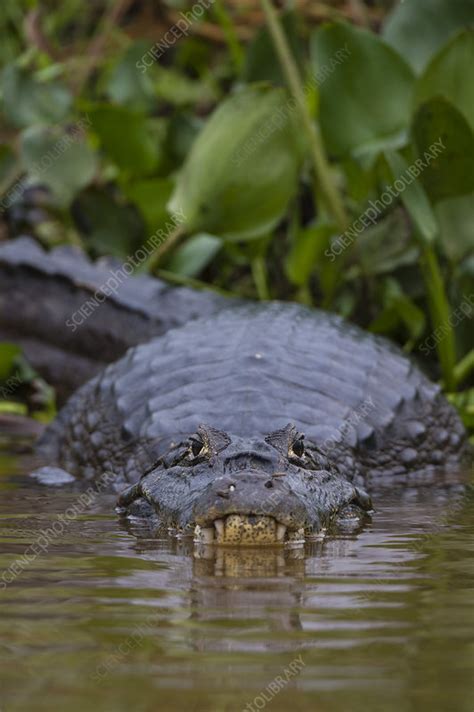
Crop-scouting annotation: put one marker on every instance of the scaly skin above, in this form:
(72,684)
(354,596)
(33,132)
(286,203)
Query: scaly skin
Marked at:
(248,382)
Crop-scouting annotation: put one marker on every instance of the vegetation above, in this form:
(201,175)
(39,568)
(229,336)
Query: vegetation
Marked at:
(330,163)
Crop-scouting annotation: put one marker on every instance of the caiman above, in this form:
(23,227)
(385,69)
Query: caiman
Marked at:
(231,422)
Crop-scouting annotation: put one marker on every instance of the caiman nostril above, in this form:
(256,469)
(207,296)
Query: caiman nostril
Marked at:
(225,493)
(269,484)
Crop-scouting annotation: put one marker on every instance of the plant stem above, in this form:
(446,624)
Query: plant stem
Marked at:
(225,21)
(440,315)
(174,237)
(321,165)
(464,367)
(259,273)
(304,296)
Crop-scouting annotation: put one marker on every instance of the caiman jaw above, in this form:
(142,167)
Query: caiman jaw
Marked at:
(246,529)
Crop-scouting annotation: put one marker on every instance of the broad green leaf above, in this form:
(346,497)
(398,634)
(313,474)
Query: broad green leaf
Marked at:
(413,196)
(128,86)
(359,179)
(261,60)
(61,160)
(365,102)
(27,101)
(448,75)
(196,253)
(456,226)
(386,247)
(151,196)
(242,169)
(306,251)
(129,138)
(182,132)
(451,172)
(418,28)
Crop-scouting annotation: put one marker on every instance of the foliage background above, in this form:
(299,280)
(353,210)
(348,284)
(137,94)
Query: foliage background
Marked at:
(261,215)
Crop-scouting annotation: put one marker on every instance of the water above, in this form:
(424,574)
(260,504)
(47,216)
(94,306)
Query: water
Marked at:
(103,620)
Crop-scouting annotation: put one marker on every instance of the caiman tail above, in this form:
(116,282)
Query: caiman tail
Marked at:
(72,316)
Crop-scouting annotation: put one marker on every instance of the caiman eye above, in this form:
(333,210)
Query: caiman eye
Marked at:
(298,447)
(196,447)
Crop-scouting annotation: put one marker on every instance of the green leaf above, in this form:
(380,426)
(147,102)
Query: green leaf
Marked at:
(27,101)
(306,251)
(182,132)
(242,169)
(129,138)
(365,103)
(451,173)
(456,226)
(261,60)
(61,160)
(192,257)
(151,197)
(448,75)
(387,246)
(128,86)
(177,89)
(398,309)
(418,28)
(413,197)
(8,355)
(360,180)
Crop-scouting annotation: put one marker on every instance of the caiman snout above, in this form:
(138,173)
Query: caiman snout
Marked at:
(250,508)
(274,492)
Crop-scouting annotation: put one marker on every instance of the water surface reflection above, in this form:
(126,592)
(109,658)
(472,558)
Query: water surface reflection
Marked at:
(381,620)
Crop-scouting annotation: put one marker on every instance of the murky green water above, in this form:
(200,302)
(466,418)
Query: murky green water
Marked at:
(102,620)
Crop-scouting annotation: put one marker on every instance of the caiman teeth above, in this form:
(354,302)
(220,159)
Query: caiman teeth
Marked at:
(220,529)
(203,535)
(296,537)
(247,529)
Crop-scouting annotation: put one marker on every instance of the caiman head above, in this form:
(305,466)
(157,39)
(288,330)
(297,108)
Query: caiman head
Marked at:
(223,489)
